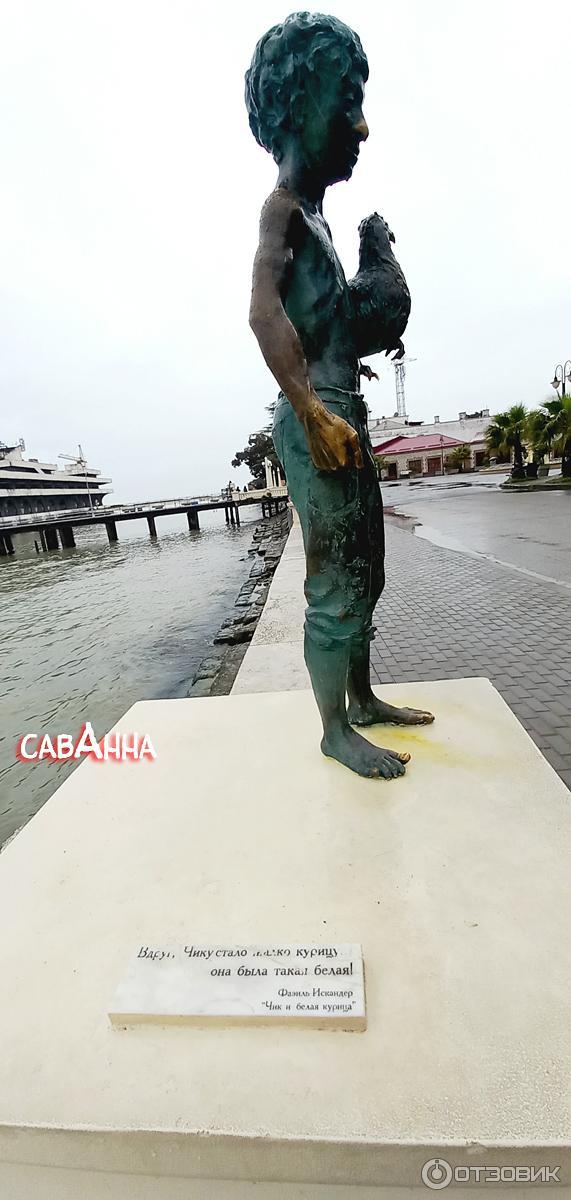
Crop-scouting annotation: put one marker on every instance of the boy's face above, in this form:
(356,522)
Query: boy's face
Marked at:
(333,125)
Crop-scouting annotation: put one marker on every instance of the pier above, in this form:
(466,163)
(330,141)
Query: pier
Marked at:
(56,530)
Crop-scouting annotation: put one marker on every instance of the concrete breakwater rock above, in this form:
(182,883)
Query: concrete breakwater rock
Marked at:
(218,670)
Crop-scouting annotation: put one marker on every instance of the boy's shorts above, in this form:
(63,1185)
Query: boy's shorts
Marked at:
(341,515)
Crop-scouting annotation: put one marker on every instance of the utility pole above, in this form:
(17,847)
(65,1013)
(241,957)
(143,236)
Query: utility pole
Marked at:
(400,372)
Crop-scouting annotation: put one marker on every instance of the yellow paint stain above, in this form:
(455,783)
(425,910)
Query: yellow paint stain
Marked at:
(424,746)
(416,740)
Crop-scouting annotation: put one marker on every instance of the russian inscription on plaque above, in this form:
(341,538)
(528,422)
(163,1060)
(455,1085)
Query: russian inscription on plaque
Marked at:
(299,984)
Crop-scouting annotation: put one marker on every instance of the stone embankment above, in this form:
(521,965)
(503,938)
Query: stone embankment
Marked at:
(218,670)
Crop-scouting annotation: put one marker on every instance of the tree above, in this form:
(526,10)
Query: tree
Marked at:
(458,456)
(557,415)
(381,464)
(506,433)
(539,434)
(260,447)
(495,439)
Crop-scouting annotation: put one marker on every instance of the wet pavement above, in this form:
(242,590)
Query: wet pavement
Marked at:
(446,614)
(530,532)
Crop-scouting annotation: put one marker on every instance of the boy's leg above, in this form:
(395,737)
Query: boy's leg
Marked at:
(336,591)
(364,707)
(328,674)
(326,505)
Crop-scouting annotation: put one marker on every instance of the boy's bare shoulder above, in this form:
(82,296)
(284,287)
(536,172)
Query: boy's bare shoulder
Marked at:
(278,212)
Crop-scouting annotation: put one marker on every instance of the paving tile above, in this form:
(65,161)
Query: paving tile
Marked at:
(444,615)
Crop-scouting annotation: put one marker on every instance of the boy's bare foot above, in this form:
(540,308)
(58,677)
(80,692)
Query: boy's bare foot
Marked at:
(361,756)
(376,712)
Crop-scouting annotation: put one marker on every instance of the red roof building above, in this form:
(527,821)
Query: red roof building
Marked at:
(423,454)
(423,443)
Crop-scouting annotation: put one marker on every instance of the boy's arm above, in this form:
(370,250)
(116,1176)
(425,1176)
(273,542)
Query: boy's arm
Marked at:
(332,442)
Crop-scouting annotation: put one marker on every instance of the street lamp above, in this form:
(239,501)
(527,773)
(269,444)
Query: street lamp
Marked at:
(561,375)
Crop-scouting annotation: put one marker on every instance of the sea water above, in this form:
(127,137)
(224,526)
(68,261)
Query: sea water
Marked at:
(85,633)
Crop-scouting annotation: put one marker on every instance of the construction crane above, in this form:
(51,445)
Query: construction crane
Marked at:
(81,462)
(400,372)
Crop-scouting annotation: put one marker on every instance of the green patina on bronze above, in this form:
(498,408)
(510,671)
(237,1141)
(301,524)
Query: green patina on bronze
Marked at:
(304,94)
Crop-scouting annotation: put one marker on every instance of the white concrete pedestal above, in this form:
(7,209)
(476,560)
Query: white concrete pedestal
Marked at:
(455,880)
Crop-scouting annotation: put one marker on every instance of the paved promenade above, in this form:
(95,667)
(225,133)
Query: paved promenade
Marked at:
(443,615)
(455,881)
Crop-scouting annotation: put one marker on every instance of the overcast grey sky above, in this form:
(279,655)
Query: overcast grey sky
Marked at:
(129,205)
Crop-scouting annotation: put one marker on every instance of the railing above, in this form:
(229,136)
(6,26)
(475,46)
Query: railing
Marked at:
(115,510)
(258,493)
(143,505)
(44,489)
(55,515)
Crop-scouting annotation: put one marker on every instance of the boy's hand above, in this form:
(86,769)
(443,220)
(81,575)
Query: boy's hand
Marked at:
(333,443)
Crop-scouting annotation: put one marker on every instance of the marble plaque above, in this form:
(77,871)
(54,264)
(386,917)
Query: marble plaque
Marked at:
(318,985)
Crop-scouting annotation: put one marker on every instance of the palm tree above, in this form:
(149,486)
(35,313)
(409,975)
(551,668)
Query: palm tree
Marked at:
(538,431)
(558,426)
(458,456)
(496,438)
(506,433)
(382,464)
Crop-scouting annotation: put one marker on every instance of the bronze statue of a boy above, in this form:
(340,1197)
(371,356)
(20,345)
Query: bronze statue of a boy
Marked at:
(304,94)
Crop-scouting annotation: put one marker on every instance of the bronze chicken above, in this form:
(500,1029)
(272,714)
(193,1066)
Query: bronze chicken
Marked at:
(381,299)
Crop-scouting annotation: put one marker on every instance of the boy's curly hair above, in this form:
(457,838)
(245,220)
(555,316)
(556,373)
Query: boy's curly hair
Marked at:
(284,58)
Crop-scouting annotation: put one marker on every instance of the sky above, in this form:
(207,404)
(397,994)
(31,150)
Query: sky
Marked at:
(129,206)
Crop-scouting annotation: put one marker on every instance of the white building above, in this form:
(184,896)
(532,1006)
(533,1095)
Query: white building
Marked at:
(469,429)
(28,486)
(274,476)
